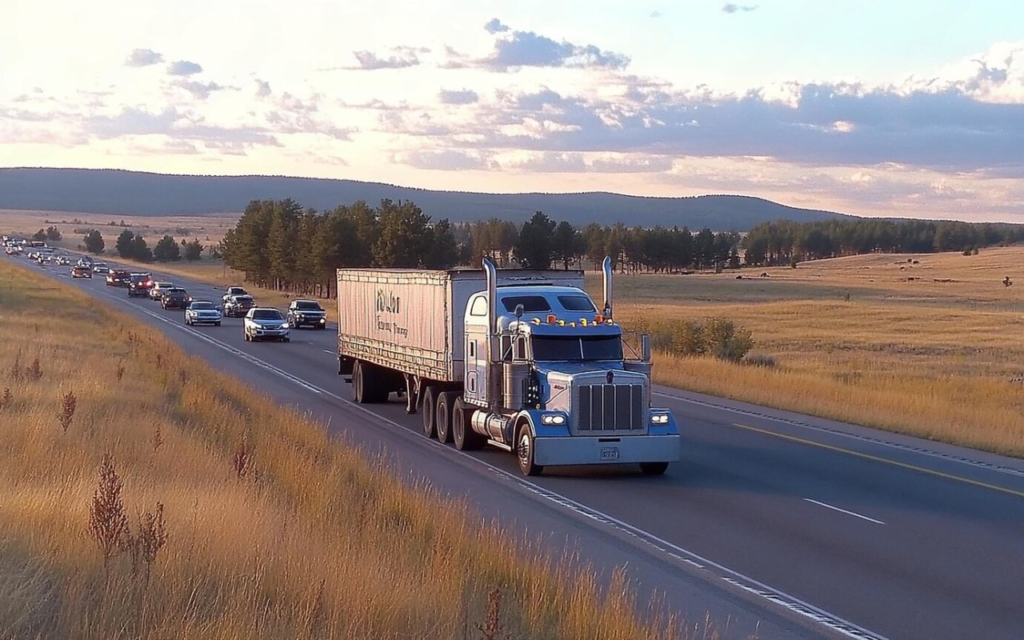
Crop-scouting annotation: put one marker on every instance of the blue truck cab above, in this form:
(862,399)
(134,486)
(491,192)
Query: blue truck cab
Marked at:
(552,379)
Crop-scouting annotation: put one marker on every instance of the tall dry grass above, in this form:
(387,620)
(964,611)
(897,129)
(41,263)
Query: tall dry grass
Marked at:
(933,349)
(306,539)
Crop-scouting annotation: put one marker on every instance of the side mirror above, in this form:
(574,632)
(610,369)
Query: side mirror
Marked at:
(520,310)
(645,347)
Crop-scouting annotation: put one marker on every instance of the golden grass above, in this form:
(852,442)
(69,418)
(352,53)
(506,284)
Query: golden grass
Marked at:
(210,229)
(934,357)
(311,542)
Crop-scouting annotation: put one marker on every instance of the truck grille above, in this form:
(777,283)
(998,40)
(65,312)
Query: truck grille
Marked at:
(610,407)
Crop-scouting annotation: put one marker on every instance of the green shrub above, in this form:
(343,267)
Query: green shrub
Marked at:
(718,337)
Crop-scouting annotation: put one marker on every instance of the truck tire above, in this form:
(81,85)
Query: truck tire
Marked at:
(358,383)
(524,451)
(462,431)
(428,409)
(367,387)
(653,468)
(443,421)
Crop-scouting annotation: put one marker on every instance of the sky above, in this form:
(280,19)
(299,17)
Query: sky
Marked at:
(872,107)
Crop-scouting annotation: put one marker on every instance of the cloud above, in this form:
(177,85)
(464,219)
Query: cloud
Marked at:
(733,8)
(942,126)
(402,58)
(143,58)
(444,160)
(262,88)
(184,68)
(655,14)
(495,26)
(465,96)
(201,90)
(516,49)
(131,121)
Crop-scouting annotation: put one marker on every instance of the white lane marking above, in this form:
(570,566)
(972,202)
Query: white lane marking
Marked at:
(849,513)
(852,436)
(328,352)
(674,551)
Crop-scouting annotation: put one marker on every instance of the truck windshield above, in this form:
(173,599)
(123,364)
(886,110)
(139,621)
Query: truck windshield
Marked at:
(551,348)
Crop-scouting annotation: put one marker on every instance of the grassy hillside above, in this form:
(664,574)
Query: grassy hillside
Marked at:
(228,517)
(119,193)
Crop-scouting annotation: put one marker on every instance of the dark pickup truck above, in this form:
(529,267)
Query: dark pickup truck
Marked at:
(175,298)
(306,313)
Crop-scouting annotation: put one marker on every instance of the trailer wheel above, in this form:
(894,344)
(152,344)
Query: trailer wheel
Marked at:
(428,408)
(462,431)
(371,388)
(445,400)
(524,451)
(358,383)
(653,468)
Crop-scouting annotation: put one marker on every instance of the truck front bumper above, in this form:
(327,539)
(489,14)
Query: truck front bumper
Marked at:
(573,450)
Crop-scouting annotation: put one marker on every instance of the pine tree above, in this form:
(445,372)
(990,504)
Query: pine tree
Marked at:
(536,246)
(442,250)
(193,250)
(403,235)
(124,243)
(94,242)
(166,250)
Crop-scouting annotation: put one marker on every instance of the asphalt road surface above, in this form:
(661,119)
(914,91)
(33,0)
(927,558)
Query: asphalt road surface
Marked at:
(774,524)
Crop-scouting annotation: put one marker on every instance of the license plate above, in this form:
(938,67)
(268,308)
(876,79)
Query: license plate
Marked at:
(609,453)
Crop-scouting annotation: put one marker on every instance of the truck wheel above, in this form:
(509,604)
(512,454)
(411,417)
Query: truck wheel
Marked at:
(462,431)
(428,410)
(524,452)
(445,400)
(358,390)
(653,468)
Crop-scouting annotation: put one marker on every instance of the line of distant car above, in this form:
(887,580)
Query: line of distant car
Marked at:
(259,323)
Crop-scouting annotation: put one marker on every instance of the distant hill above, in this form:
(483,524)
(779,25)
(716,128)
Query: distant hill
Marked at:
(118,192)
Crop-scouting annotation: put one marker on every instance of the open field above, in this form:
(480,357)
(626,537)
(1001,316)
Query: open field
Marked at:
(933,349)
(210,229)
(276,532)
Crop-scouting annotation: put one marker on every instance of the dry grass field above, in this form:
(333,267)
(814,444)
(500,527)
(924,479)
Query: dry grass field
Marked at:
(228,517)
(930,345)
(210,229)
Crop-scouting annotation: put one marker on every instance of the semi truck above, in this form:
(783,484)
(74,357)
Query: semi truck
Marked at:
(522,360)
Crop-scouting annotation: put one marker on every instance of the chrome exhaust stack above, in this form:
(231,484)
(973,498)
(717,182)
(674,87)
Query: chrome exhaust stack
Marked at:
(493,359)
(607,268)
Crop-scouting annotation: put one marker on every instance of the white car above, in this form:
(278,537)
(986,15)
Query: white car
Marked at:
(158,289)
(265,322)
(100,268)
(202,312)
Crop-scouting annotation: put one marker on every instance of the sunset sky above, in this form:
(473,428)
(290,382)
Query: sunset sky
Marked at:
(905,108)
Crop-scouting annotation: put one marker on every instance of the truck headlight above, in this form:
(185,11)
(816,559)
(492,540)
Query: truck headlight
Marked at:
(552,418)
(659,418)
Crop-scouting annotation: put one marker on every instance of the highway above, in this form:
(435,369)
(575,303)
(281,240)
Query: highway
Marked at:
(775,524)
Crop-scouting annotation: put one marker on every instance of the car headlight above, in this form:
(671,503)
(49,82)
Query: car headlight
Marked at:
(283,326)
(323,320)
(659,418)
(552,418)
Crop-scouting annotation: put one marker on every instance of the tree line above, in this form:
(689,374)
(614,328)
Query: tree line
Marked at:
(784,242)
(133,246)
(279,244)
